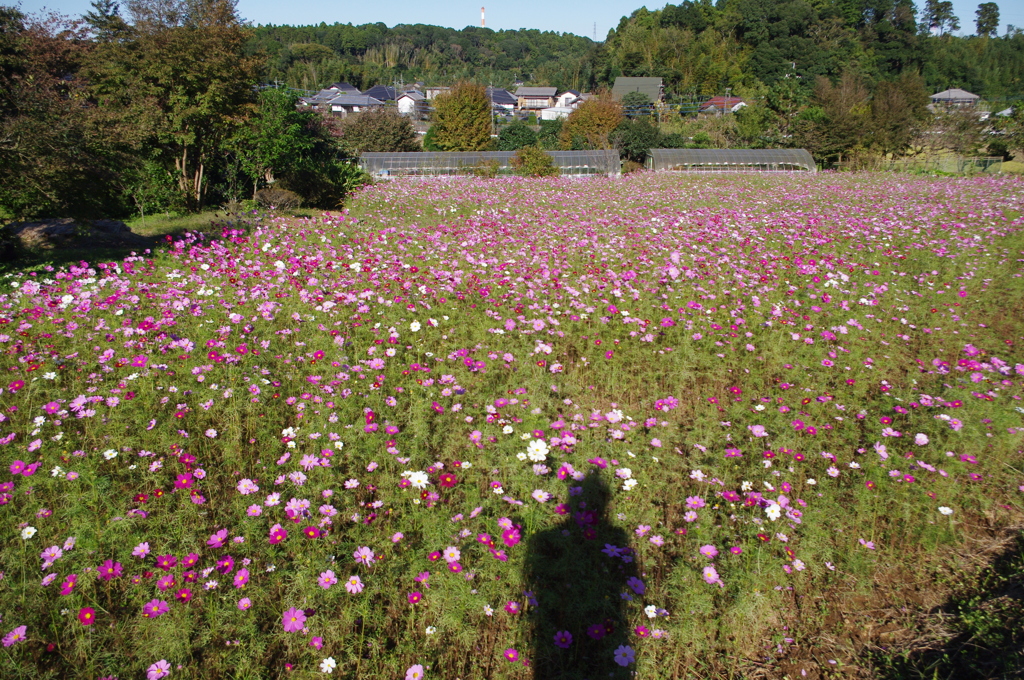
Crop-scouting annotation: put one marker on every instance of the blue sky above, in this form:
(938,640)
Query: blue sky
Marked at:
(564,16)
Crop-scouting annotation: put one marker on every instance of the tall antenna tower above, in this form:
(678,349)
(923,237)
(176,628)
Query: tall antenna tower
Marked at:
(483,23)
(595,31)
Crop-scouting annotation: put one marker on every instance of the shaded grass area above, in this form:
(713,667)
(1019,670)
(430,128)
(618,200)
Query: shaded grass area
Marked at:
(978,633)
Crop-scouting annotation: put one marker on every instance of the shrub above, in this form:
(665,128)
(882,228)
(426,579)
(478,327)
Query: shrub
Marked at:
(377,130)
(274,197)
(532,161)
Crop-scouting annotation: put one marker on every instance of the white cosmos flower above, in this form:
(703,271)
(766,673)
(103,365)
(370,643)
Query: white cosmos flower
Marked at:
(110,454)
(28,532)
(946,511)
(537,451)
(415,326)
(419,479)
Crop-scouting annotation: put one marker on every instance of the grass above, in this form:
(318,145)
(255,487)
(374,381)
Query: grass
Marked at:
(705,426)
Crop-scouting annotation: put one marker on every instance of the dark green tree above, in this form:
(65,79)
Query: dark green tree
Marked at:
(987,19)
(105,20)
(516,136)
(59,155)
(938,15)
(636,104)
(634,138)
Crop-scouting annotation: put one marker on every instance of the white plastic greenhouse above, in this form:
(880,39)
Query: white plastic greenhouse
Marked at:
(430,163)
(731,160)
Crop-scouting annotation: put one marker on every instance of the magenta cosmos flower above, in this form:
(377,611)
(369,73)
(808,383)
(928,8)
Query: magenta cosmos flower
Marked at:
(563,639)
(294,620)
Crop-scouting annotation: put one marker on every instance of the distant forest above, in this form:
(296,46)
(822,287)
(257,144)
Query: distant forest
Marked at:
(699,48)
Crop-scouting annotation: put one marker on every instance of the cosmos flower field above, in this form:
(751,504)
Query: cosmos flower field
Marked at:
(508,428)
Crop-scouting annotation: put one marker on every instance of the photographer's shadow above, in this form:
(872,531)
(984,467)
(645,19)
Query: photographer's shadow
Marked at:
(578,573)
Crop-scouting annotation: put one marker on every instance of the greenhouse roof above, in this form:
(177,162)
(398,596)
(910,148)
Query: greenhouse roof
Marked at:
(425,163)
(754,159)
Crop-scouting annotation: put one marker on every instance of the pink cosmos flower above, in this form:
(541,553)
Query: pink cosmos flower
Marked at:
(363,555)
(293,620)
(161,669)
(327,579)
(354,585)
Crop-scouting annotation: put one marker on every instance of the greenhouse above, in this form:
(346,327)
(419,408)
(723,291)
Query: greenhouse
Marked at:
(483,163)
(731,160)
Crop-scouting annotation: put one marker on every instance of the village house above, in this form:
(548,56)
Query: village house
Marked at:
(534,98)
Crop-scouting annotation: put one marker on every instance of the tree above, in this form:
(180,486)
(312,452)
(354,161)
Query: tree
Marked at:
(59,155)
(938,15)
(277,139)
(462,119)
(106,21)
(516,136)
(987,21)
(837,118)
(183,79)
(376,130)
(636,104)
(634,138)
(898,109)
(591,125)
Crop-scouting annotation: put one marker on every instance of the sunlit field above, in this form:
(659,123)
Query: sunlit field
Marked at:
(650,426)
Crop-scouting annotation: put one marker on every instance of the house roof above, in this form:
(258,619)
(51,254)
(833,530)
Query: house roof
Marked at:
(344,87)
(722,103)
(499,95)
(574,93)
(413,95)
(381,92)
(355,100)
(649,86)
(954,95)
(536,92)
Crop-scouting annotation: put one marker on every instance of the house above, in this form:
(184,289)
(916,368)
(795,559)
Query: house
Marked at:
(533,98)
(567,98)
(382,92)
(412,103)
(955,97)
(501,99)
(344,88)
(344,104)
(432,92)
(652,87)
(555,113)
(720,105)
